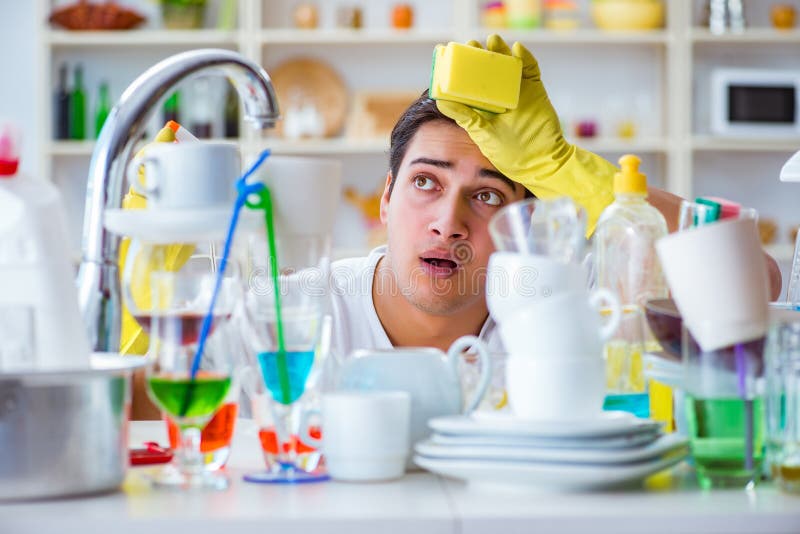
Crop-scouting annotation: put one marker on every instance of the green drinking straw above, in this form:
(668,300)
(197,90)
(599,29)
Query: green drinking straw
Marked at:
(264,202)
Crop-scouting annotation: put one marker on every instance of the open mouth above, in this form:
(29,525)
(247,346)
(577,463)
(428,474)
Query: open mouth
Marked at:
(439,262)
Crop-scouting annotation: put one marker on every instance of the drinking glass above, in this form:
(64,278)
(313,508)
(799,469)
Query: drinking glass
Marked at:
(285,332)
(782,360)
(724,404)
(553,228)
(170,299)
(693,214)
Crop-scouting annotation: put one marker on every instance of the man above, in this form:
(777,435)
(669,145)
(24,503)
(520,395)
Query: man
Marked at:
(451,169)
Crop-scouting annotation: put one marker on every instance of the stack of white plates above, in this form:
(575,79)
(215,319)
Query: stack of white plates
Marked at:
(613,449)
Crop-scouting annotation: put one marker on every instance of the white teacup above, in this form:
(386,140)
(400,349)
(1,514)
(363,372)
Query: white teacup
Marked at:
(427,374)
(718,277)
(365,434)
(198,175)
(556,388)
(516,280)
(567,325)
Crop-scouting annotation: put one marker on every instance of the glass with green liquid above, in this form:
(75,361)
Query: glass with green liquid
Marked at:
(170,299)
(725,412)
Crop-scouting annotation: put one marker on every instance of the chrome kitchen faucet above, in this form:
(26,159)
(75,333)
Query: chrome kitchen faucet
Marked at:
(98,279)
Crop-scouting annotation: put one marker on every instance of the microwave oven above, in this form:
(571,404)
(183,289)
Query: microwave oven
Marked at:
(755,102)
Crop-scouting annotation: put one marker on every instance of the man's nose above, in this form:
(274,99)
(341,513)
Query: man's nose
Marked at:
(450,221)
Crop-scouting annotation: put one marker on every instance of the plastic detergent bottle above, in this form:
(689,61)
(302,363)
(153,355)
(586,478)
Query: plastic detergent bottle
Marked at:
(626,262)
(40,323)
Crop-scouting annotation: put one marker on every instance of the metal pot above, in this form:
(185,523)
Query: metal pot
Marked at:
(65,433)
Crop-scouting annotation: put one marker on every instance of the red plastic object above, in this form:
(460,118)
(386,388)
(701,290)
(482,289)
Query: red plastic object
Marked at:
(153,453)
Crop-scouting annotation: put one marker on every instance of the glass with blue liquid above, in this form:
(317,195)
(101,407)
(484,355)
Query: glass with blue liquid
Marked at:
(286,342)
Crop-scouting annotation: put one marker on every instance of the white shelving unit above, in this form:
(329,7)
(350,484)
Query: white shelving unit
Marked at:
(587,71)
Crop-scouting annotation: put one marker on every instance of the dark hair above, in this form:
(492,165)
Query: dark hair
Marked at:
(421,112)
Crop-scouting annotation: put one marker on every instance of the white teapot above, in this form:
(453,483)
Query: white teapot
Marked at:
(428,375)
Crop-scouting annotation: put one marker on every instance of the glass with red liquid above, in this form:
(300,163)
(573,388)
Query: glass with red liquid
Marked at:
(215,438)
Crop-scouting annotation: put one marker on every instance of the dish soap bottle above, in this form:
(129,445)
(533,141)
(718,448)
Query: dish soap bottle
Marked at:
(40,321)
(626,262)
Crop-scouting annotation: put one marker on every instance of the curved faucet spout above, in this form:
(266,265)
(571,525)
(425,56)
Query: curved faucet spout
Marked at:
(98,283)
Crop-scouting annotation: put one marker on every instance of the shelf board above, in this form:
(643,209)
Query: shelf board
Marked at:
(612,144)
(780,251)
(750,35)
(143,37)
(85,148)
(70,148)
(350,36)
(341,145)
(581,36)
(761,144)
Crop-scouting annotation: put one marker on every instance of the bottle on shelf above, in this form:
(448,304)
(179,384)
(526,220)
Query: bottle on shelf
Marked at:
(201,110)
(61,101)
(77,107)
(626,262)
(231,112)
(102,108)
(172,107)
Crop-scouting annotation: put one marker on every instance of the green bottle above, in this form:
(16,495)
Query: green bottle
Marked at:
(102,108)
(172,107)
(77,107)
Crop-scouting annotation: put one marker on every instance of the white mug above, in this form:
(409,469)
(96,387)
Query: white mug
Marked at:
(556,388)
(516,280)
(305,193)
(365,434)
(567,325)
(427,374)
(718,277)
(198,175)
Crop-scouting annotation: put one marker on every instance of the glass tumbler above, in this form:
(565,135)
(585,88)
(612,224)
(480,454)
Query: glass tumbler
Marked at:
(724,405)
(782,360)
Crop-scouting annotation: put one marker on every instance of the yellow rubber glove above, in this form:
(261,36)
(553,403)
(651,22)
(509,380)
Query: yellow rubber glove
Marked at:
(133,339)
(527,145)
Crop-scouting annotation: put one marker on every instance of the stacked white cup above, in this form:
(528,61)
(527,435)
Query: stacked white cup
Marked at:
(549,322)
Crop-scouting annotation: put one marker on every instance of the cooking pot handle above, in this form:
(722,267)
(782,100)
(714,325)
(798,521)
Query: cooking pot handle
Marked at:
(454,355)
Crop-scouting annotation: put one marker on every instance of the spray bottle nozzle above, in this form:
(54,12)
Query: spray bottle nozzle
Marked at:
(9,150)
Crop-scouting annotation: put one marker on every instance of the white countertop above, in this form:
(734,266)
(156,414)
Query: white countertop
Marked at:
(419,503)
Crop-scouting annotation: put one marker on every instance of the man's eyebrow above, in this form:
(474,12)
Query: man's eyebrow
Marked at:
(435,162)
(489,173)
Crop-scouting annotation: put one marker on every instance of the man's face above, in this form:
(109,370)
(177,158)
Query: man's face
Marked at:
(437,214)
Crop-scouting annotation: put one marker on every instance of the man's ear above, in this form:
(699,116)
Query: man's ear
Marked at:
(385,198)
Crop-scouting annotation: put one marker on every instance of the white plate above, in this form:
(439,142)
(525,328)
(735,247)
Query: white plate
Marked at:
(175,226)
(500,424)
(613,442)
(659,447)
(548,476)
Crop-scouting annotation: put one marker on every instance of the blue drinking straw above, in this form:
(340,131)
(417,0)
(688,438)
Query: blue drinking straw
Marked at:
(243,191)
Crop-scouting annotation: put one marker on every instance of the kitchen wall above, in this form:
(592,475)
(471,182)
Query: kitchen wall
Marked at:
(18,59)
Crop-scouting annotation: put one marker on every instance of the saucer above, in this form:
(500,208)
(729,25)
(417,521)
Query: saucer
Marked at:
(612,423)
(579,455)
(548,475)
(613,442)
(175,226)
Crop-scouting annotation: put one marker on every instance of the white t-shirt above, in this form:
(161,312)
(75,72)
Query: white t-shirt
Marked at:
(355,321)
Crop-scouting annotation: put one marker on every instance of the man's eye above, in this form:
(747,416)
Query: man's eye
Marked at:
(490,197)
(424,183)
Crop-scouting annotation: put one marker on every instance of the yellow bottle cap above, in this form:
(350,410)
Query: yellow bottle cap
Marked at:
(629,179)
